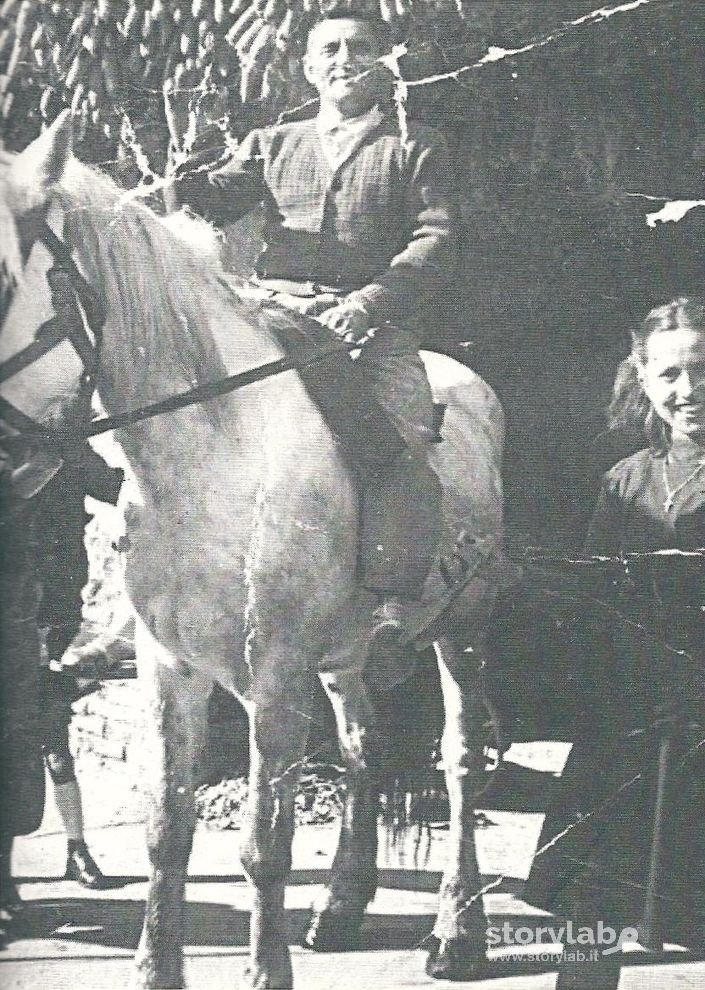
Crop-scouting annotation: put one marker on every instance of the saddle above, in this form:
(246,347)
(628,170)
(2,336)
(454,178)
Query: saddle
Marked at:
(365,434)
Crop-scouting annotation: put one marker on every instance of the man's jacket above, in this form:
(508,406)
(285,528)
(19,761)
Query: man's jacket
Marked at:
(383,224)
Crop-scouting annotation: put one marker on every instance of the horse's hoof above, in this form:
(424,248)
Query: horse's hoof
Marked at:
(455,959)
(588,976)
(334,931)
(258,979)
(147,976)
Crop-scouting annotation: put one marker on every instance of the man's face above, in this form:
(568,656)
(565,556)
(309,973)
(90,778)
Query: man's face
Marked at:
(341,62)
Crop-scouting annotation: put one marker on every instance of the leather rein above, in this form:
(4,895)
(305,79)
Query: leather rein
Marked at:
(68,288)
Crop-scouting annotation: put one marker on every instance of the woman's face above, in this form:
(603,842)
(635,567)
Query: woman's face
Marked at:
(673,377)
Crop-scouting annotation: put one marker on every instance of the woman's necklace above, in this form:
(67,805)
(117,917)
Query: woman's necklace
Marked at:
(672,493)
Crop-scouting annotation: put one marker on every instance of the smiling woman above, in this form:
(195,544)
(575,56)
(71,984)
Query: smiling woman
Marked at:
(646,648)
(671,366)
(660,387)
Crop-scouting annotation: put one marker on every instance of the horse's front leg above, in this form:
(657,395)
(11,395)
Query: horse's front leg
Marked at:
(176,722)
(279,728)
(459,935)
(339,911)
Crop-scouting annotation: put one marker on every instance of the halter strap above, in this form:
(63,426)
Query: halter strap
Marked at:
(49,336)
(66,285)
(67,322)
(69,325)
(70,292)
(92,307)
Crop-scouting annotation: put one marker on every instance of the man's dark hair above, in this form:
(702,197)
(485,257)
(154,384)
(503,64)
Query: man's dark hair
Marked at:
(356,10)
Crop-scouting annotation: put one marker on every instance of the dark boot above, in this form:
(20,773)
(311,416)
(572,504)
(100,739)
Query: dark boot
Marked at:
(400,529)
(11,907)
(81,867)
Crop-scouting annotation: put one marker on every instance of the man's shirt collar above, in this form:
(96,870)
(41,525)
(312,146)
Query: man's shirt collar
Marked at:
(340,135)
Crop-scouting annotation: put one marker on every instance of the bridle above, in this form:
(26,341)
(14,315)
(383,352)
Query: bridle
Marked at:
(73,299)
(78,317)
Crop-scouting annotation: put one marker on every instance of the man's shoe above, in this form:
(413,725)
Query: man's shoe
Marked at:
(81,867)
(104,656)
(10,900)
(389,662)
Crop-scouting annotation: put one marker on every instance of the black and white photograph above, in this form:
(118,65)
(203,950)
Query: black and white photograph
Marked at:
(352,477)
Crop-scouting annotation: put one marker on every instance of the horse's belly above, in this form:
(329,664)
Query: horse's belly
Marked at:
(226,605)
(469,460)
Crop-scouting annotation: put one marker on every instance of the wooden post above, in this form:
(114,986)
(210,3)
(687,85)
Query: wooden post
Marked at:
(651,928)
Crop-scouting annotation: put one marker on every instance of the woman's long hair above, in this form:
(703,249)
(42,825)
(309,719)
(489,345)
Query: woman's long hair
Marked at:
(630,408)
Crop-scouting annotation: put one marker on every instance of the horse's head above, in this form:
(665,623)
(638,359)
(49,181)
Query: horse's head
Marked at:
(46,345)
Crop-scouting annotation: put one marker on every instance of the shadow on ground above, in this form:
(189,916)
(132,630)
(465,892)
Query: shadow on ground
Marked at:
(115,924)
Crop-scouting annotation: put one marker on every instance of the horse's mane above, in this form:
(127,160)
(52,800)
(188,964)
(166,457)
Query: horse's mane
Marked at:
(160,276)
(162,282)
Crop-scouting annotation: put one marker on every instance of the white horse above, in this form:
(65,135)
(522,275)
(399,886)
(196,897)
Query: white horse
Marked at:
(242,555)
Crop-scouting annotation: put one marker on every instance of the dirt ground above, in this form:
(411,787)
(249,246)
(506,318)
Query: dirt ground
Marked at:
(79,938)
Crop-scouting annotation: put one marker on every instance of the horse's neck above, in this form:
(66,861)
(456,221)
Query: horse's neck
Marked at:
(136,370)
(154,347)
(240,345)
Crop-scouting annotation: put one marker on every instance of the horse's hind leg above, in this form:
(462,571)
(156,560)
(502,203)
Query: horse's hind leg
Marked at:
(177,717)
(459,935)
(339,912)
(592,974)
(279,728)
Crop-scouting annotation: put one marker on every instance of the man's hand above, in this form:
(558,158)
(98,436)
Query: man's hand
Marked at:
(312,307)
(348,320)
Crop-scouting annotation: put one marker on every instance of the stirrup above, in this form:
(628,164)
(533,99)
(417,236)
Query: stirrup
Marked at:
(390,660)
(474,558)
(388,615)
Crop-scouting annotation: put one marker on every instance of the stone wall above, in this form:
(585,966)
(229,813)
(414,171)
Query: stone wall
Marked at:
(108,722)
(108,725)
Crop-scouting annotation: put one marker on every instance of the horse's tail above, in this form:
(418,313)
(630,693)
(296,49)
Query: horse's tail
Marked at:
(410,788)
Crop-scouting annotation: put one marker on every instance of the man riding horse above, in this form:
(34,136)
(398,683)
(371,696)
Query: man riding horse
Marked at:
(253,507)
(361,235)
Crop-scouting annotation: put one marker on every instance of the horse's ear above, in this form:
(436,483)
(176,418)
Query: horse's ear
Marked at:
(45,158)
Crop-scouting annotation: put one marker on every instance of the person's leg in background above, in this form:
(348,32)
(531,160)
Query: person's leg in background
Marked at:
(21,769)
(59,690)
(10,903)
(63,575)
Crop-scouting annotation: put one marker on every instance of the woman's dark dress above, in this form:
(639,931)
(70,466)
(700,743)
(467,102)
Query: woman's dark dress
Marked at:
(643,643)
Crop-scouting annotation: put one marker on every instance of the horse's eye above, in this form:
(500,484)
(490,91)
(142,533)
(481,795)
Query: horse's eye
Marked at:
(27,227)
